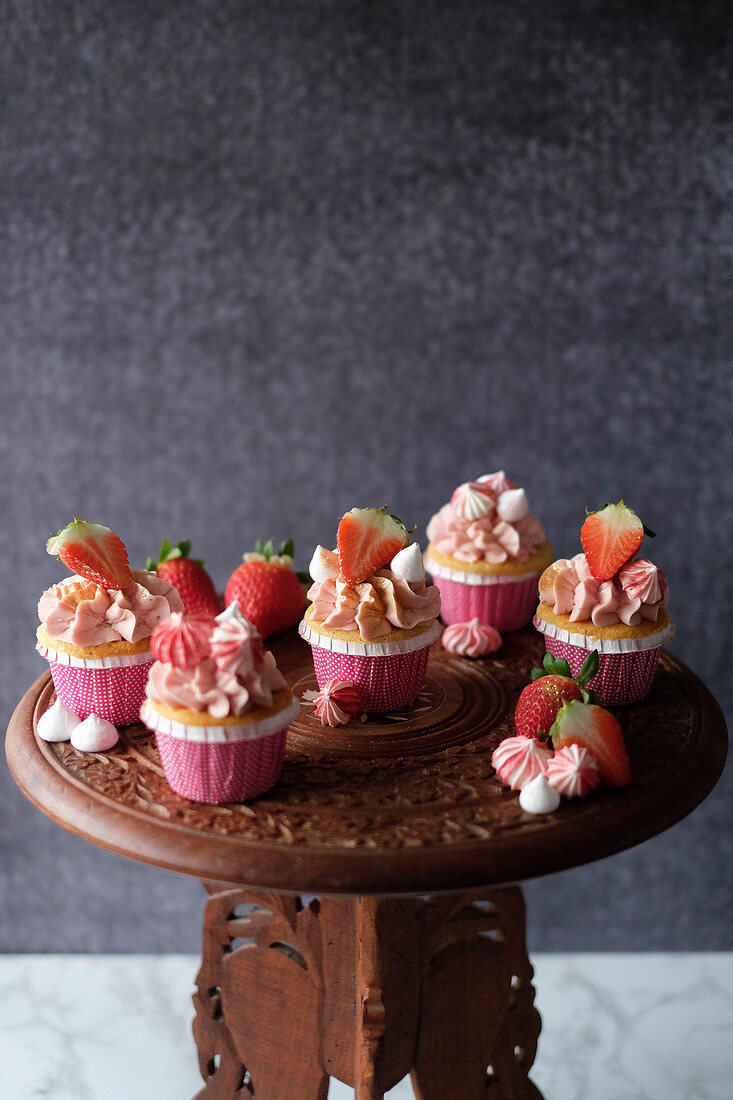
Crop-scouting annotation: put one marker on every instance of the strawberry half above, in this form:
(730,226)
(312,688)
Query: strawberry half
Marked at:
(367,539)
(552,685)
(93,552)
(195,586)
(610,538)
(598,731)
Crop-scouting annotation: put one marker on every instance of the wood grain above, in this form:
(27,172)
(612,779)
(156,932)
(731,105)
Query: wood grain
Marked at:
(389,821)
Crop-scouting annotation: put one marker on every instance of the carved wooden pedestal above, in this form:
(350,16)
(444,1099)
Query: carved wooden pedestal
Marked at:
(366,990)
(366,984)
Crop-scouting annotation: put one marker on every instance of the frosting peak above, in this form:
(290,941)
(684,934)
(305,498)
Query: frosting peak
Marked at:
(636,593)
(375,607)
(86,614)
(487,520)
(236,673)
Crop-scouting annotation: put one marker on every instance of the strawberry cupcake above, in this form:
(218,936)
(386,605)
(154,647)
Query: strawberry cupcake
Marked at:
(218,705)
(373,615)
(486,553)
(96,625)
(608,600)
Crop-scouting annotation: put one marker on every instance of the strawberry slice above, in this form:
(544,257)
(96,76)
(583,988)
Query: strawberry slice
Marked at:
(598,731)
(610,538)
(94,552)
(367,539)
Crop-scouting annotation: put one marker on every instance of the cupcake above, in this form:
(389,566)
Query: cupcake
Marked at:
(218,705)
(373,616)
(96,625)
(486,553)
(609,600)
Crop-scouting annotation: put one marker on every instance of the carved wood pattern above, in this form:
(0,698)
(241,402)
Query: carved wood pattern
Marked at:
(442,987)
(439,793)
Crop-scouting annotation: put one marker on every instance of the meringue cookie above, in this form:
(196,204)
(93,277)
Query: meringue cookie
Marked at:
(57,723)
(324,565)
(538,797)
(336,702)
(470,502)
(512,505)
(573,771)
(519,760)
(407,564)
(94,735)
(499,482)
(471,639)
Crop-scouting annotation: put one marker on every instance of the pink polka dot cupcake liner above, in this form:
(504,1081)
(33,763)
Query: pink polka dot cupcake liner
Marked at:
(113,691)
(623,677)
(506,604)
(219,763)
(389,675)
(222,773)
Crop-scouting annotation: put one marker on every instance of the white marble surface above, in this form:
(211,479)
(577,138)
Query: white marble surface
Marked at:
(615,1027)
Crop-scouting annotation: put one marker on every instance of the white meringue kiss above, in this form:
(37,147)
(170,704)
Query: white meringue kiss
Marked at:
(538,797)
(407,564)
(512,505)
(324,565)
(94,735)
(57,723)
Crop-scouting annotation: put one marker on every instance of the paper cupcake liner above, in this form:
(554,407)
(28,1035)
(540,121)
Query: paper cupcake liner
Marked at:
(384,683)
(436,569)
(505,606)
(217,734)
(223,772)
(622,678)
(605,645)
(113,693)
(220,763)
(368,649)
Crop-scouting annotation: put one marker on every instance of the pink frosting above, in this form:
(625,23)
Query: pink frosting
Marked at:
(376,606)
(519,760)
(575,592)
(239,674)
(487,537)
(111,614)
(471,639)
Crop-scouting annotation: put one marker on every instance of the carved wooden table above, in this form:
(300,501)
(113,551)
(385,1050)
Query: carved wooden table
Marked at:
(412,958)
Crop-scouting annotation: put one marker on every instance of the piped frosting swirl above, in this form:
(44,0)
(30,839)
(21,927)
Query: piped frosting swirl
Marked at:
(486,520)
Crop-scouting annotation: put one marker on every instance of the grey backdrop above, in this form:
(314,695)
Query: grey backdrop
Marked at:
(262,262)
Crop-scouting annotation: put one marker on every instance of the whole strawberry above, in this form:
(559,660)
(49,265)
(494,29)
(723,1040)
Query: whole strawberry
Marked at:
(195,586)
(552,685)
(267,589)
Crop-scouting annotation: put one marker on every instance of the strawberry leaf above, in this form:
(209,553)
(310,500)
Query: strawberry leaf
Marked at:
(588,669)
(287,548)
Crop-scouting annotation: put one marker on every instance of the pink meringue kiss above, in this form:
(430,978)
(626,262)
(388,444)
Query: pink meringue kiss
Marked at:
(336,702)
(182,640)
(471,639)
(473,499)
(642,580)
(573,772)
(519,760)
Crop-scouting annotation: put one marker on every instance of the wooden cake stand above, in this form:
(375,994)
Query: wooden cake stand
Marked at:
(412,957)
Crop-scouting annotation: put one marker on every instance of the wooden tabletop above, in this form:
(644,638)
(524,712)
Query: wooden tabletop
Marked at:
(405,804)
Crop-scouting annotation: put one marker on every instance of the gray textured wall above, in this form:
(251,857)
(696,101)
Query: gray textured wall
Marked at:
(265,261)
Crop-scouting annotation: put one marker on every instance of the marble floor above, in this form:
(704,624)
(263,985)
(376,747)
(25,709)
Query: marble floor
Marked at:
(615,1027)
